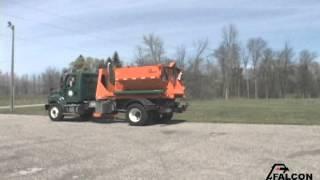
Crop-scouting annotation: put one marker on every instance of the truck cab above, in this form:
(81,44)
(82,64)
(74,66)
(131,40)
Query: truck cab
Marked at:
(77,91)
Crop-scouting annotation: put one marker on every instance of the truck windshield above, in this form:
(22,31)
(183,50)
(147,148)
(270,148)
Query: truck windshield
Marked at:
(70,81)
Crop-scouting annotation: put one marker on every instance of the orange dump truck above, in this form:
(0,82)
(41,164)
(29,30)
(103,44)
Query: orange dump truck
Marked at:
(144,93)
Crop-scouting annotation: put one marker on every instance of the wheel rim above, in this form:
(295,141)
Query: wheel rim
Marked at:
(54,112)
(135,115)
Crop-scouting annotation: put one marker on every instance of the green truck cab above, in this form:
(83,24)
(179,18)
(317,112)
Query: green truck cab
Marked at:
(76,96)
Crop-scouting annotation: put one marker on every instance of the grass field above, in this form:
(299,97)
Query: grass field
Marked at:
(28,110)
(4,100)
(274,111)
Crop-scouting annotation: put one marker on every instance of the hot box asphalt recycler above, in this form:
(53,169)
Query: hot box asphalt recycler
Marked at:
(144,93)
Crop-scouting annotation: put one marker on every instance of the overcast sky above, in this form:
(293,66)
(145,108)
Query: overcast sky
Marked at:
(53,33)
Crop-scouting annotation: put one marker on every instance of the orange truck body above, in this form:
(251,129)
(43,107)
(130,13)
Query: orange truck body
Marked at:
(152,81)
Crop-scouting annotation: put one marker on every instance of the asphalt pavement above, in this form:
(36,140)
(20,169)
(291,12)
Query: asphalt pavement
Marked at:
(33,147)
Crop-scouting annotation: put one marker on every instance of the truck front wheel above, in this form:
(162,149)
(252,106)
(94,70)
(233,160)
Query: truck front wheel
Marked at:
(137,115)
(55,112)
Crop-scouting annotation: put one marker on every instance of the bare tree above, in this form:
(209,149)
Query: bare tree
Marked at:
(34,84)
(266,70)
(151,51)
(228,56)
(4,84)
(245,62)
(285,58)
(181,56)
(306,59)
(256,47)
(50,79)
(194,74)
(200,47)
(140,59)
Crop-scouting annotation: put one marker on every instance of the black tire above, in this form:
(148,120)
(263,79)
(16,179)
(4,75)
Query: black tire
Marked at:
(137,115)
(55,112)
(166,117)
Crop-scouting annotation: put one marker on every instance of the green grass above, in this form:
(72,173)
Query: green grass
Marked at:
(274,111)
(28,111)
(21,100)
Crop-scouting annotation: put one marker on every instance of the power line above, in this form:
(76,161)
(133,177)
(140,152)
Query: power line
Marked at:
(51,13)
(44,23)
(54,26)
(51,26)
(47,24)
(32,41)
(20,38)
(36,9)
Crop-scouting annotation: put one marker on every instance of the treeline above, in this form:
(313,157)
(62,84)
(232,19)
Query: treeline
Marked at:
(249,69)
(42,84)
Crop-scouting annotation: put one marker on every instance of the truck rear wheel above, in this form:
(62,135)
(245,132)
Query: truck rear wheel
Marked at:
(137,115)
(55,112)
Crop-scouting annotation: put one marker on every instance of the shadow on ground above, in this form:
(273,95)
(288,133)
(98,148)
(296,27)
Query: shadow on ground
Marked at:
(116,120)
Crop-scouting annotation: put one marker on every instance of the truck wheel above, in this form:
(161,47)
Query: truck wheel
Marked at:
(55,112)
(137,115)
(166,117)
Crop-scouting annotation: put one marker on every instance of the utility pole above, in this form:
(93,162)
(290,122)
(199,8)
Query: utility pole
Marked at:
(11,26)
